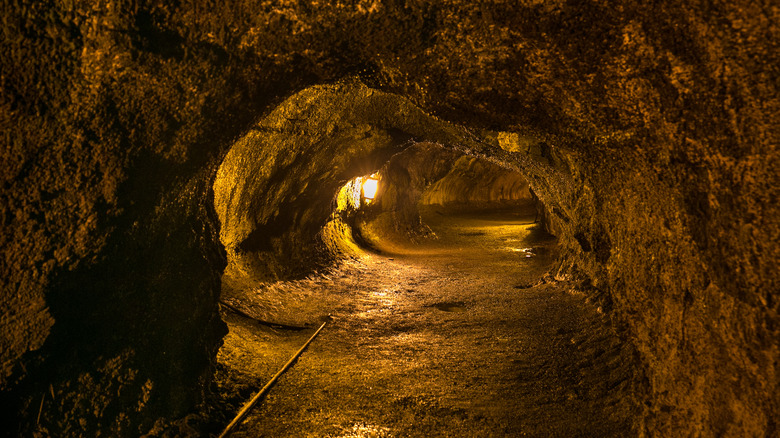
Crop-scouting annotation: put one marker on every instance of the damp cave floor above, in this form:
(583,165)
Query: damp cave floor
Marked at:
(462,336)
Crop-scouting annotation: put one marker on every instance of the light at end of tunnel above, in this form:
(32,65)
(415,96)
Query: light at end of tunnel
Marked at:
(370,186)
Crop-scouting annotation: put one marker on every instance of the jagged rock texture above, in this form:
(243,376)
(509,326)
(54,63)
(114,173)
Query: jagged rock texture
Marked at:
(649,130)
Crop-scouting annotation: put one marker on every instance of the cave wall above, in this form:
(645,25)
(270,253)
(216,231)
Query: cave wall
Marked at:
(474,181)
(110,253)
(710,356)
(648,129)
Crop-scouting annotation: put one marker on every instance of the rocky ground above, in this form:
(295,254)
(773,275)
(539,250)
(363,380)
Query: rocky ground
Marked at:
(458,336)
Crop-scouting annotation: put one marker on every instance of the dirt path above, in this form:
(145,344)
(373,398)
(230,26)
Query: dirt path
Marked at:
(445,339)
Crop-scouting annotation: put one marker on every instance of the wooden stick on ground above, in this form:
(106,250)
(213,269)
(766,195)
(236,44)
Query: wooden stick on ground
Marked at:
(242,413)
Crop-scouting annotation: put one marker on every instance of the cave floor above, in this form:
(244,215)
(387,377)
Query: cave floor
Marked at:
(453,337)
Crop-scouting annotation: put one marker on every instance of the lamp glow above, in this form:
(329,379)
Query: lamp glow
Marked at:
(370,185)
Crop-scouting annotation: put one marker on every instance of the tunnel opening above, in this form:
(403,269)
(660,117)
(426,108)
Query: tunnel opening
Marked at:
(291,194)
(279,183)
(452,236)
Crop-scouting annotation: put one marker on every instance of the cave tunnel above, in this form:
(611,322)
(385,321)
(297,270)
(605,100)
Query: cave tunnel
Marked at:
(574,233)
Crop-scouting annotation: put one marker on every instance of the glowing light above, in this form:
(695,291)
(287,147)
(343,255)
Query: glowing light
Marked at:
(528,252)
(370,186)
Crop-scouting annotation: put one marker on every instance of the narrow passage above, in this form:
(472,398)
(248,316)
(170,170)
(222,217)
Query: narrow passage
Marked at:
(459,336)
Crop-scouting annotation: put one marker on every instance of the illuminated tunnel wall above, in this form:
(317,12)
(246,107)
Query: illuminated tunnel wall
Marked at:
(144,144)
(473,181)
(275,189)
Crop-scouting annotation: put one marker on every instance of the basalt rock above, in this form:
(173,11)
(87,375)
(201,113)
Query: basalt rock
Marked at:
(648,131)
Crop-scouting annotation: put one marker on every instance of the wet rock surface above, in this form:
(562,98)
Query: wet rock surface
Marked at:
(434,341)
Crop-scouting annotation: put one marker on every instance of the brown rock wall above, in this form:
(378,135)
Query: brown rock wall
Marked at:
(475,181)
(657,162)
